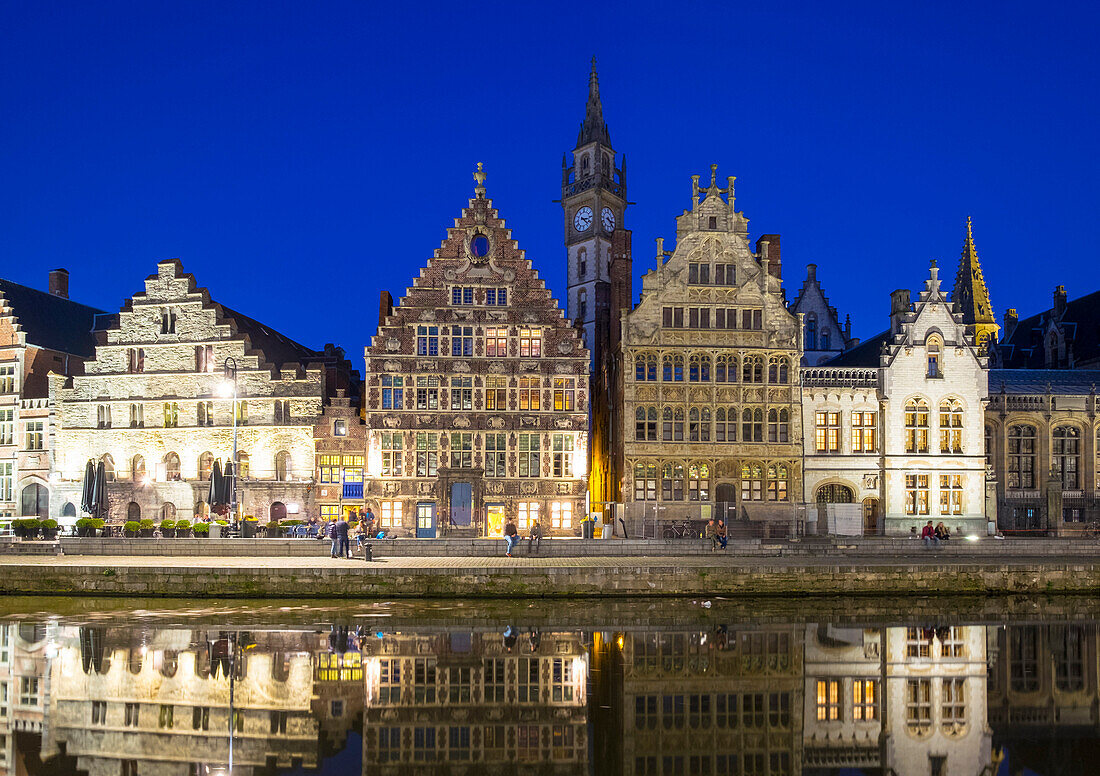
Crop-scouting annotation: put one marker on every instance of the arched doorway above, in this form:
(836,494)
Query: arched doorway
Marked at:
(133,511)
(725,501)
(278,511)
(69,510)
(35,501)
(870,516)
(831,493)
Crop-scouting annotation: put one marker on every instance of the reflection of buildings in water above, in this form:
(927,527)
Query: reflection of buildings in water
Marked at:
(726,702)
(1044,693)
(475,698)
(125,701)
(337,688)
(24,690)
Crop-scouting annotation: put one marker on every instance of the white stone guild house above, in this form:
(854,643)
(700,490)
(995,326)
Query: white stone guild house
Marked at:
(155,406)
(896,424)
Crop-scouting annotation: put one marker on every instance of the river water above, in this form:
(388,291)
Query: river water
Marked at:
(744,687)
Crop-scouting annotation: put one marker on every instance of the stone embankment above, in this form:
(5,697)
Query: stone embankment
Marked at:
(835,573)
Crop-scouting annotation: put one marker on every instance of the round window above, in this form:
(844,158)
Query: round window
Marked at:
(479,246)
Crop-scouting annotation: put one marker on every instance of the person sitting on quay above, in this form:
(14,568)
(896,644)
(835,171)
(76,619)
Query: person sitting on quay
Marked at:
(928,535)
(367,518)
(511,537)
(712,534)
(362,533)
(535,537)
(722,533)
(943,533)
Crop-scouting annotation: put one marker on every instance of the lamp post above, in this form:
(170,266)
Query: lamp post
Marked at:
(230,375)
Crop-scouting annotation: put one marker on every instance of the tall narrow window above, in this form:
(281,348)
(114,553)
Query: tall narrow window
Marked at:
(828,700)
(827,432)
(496,342)
(530,343)
(951,494)
(811,332)
(103,416)
(698,482)
(933,347)
(136,360)
(427,393)
(427,340)
(778,480)
(864,700)
(496,392)
(462,393)
(1021,457)
(916,426)
(564,394)
(645,481)
(863,431)
(779,425)
(752,425)
(462,450)
(462,340)
(752,482)
(204,358)
(392,453)
(171,414)
(725,424)
(427,454)
(951,426)
(916,494)
(672,482)
(563,455)
(167,320)
(137,416)
(496,453)
(172,467)
(1066,456)
(918,705)
(530,391)
(529,447)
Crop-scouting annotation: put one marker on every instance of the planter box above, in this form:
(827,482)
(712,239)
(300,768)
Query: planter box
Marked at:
(168,533)
(249,529)
(215,531)
(146,533)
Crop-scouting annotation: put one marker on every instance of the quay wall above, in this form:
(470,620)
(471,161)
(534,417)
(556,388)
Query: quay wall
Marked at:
(636,578)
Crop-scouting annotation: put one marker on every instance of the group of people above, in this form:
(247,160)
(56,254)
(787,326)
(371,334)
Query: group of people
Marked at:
(339,531)
(717,533)
(511,537)
(933,535)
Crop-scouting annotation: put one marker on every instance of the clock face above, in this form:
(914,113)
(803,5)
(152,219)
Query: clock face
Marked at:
(583,219)
(607,219)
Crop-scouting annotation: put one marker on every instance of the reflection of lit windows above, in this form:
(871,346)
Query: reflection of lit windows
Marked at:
(864,700)
(918,642)
(389,744)
(918,705)
(494,683)
(828,700)
(645,712)
(561,680)
(167,716)
(953,706)
(527,678)
(28,691)
(336,667)
(99,712)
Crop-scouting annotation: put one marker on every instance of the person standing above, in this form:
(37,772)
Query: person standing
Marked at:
(368,519)
(343,546)
(330,534)
(712,534)
(511,537)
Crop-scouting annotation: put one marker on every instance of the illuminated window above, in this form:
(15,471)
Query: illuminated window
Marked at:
(828,700)
(391,514)
(530,343)
(496,392)
(916,494)
(171,414)
(827,432)
(864,700)
(330,512)
(951,426)
(951,494)
(698,482)
(564,393)
(561,514)
(7,426)
(863,431)
(392,453)
(916,426)
(496,342)
(205,413)
(529,393)
(752,482)
(240,411)
(1066,456)
(933,347)
(7,379)
(778,479)
(918,705)
(528,511)
(35,435)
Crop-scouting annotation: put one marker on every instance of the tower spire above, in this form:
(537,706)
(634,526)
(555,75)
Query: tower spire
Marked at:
(592,128)
(970,297)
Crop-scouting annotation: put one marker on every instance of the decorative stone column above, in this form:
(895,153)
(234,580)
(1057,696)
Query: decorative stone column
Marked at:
(1054,504)
(991,515)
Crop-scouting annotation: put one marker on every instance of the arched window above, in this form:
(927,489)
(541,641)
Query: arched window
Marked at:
(916,426)
(835,494)
(725,424)
(277,511)
(704,424)
(811,332)
(69,510)
(582,304)
(34,501)
(752,481)
(168,511)
(666,424)
(678,368)
(282,466)
(699,368)
(645,481)
(582,263)
(699,482)
(777,370)
(202,510)
(666,369)
(137,468)
(672,482)
(133,511)
(778,425)
(951,426)
(206,465)
(989,443)
(678,424)
(645,424)
(645,367)
(752,369)
(933,346)
(752,425)
(693,425)
(722,369)
(693,369)
(778,477)
(108,466)
(584,164)
(242,465)
(825,339)
(606,165)
(1066,456)
(172,467)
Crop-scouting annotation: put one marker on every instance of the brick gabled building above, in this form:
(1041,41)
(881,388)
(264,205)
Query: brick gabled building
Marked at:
(477,393)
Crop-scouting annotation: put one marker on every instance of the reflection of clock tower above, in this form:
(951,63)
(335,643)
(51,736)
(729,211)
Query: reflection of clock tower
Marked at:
(599,281)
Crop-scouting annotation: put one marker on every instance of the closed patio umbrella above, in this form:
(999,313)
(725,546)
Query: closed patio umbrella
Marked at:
(229,485)
(101,505)
(214,495)
(89,486)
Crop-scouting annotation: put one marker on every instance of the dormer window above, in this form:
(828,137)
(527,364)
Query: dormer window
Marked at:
(811,332)
(167,320)
(934,347)
(824,340)
(712,222)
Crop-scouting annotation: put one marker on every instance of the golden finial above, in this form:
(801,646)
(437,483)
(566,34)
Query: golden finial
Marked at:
(479,176)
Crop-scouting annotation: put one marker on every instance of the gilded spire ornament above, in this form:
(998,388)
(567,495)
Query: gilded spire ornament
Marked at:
(970,298)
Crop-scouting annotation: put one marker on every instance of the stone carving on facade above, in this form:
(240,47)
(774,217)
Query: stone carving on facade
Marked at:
(565,347)
(426,420)
(424,488)
(427,315)
(645,393)
(393,344)
(391,366)
(496,488)
(700,394)
(674,394)
(563,423)
(529,366)
(460,366)
(563,369)
(496,422)
(528,420)
(530,318)
(390,421)
(528,488)
(427,366)
(496,367)
(391,488)
(870,481)
(565,488)
(461,421)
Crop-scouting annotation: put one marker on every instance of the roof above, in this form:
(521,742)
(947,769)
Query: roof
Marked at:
(52,322)
(1080,323)
(970,298)
(865,354)
(277,348)
(592,128)
(1061,382)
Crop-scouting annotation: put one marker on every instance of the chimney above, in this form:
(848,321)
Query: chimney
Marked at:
(811,273)
(385,307)
(767,247)
(59,283)
(899,308)
(1059,302)
(1010,321)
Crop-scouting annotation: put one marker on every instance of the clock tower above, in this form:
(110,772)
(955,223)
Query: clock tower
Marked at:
(599,286)
(593,196)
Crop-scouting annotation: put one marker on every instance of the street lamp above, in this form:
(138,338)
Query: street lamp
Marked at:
(229,388)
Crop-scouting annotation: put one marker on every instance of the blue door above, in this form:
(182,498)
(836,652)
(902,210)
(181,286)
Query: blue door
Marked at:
(425,520)
(462,498)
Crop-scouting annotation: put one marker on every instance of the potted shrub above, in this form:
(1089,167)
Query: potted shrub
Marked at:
(19,528)
(95,525)
(130,529)
(49,529)
(145,528)
(168,528)
(271,529)
(183,529)
(289,525)
(201,530)
(249,527)
(81,526)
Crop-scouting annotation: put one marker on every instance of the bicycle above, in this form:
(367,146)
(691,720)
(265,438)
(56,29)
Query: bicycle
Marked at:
(680,530)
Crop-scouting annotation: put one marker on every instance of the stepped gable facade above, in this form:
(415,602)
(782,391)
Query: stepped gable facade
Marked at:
(154,405)
(711,354)
(823,336)
(477,393)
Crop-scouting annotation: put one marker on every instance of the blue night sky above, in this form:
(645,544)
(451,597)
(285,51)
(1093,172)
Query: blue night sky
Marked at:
(298,157)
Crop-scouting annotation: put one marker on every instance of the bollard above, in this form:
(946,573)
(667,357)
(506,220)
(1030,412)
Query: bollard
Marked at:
(368,552)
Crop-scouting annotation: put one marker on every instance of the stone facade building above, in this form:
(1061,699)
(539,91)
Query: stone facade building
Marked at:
(153,405)
(896,423)
(41,333)
(477,393)
(710,408)
(823,336)
(341,439)
(1067,336)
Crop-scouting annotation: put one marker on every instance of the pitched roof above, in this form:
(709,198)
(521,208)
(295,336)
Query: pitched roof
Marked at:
(278,349)
(1080,323)
(52,322)
(970,298)
(592,128)
(865,354)
(1061,382)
